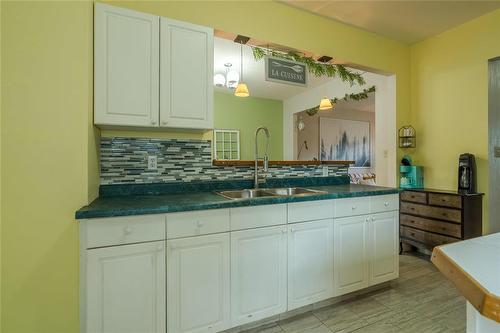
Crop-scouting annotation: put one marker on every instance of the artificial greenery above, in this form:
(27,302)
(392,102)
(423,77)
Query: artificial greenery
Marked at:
(354,97)
(316,68)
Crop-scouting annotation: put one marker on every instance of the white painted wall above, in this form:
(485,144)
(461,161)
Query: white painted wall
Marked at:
(385,120)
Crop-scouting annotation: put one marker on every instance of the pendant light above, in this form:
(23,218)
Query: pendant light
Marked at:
(325,104)
(242,89)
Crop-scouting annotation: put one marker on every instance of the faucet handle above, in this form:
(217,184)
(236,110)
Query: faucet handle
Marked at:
(266,162)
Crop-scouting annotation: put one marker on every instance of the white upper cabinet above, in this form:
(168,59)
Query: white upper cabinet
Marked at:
(125,289)
(258,274)
(151,71)
(186,75)
(126,67)
(198,284)
(383,248)
(310,262)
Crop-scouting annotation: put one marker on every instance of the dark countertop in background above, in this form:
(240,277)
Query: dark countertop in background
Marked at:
(109,206)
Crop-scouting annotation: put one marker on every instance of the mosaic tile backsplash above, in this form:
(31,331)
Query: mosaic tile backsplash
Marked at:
(125,161)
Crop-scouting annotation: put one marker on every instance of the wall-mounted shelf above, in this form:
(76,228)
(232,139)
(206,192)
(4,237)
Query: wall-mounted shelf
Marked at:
(407,137)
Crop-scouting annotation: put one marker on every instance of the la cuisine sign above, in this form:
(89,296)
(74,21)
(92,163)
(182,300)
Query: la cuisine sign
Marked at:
(286,71)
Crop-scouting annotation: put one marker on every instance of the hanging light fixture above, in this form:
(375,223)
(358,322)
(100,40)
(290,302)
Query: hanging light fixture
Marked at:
(242,89)
(219,80)
(325,104)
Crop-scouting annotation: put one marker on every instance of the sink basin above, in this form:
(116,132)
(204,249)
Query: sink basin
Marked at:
(293,191)
(268,192)
(245,194)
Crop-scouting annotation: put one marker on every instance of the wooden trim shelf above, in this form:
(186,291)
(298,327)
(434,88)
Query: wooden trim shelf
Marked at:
(486,303)
(251,163)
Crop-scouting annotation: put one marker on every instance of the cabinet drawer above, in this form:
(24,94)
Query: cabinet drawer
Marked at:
(425,237)
(419,197)
(450,229)
(454,201)
(310,210)
(352,206)
(123,230)
(257,216)
(384,203)
(195,223)
(430,211)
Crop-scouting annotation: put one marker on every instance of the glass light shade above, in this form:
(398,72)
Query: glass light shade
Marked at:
(325,104)
(232,79)
(219,80)
(241,90)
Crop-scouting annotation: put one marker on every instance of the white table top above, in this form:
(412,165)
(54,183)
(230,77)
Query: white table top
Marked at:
(480,258)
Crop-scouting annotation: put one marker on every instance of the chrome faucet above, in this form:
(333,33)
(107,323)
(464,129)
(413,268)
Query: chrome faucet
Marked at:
(265,159)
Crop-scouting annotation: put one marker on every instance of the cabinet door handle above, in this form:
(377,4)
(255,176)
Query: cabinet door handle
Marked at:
(292,229)
(373,219)
(283,231)
(164,122)
(367,219)
(153,122)
(127,230)
(386,204)
(159,247)
(354,207)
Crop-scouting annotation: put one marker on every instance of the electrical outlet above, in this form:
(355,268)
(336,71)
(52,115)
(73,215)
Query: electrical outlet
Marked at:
(152,162)
(325,171)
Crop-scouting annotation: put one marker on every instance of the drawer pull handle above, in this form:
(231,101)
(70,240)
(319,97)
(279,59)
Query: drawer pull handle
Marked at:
(127,230)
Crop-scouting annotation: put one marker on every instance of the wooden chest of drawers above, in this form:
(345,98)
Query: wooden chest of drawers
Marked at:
(432,217)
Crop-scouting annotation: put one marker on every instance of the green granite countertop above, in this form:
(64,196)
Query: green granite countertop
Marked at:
(168,203)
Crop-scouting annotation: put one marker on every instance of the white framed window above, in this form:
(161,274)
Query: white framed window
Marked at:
(226,144)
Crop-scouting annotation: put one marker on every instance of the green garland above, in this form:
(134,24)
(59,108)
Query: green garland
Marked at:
(355,97)
(316,68)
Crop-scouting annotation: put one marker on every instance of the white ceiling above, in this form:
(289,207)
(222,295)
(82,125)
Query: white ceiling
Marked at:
(366,105)
(404,20)
(254,72)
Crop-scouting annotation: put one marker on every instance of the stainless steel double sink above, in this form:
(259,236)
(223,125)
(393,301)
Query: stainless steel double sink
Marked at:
(268,192)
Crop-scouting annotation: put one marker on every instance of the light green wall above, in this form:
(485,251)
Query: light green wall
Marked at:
(450,101)
(48,160)
(245,115)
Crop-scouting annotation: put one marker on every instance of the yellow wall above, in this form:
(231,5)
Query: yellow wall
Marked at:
(46,100)
(49,147)
(449,90)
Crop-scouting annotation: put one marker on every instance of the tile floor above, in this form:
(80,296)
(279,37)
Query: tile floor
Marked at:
(420,301)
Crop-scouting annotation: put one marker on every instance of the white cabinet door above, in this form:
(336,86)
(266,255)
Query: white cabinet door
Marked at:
(186,74)
(350,243)
(126,289)
(198,284)
(258,274)
(310,262)
(383,249)
(126,67)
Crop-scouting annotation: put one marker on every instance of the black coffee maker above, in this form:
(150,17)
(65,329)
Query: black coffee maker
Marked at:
(467,173)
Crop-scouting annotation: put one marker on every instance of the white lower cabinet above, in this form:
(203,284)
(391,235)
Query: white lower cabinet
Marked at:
(350,242)
(125,289)
(258,274)
(310,262)
(223,268)
(366,251)
(198,284)
(383,247)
